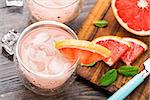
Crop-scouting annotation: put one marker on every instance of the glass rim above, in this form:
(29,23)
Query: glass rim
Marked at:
(36,25)
(53,7)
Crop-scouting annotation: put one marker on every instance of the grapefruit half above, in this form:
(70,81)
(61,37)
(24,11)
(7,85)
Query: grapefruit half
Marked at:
(115,44)
(136,49)
(133,15)
(87,51)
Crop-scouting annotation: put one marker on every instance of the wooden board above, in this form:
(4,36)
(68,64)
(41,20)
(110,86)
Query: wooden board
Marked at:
(103,10)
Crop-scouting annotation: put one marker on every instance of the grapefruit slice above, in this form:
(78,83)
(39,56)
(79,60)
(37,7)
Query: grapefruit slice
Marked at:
(133,15)
(87,51)
(114,43)
(136,49)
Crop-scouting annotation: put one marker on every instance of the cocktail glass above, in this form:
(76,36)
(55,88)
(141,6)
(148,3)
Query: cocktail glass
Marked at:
(49,83)
(57,10)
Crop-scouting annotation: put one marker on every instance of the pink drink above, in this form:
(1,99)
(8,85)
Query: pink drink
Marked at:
(57,10)
(38,53)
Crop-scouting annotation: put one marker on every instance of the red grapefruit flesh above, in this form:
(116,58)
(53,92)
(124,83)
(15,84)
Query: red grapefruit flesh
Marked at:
(133,15)
(87,51)
(136,49)
(115,44)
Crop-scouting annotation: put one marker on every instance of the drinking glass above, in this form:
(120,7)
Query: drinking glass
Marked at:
(35,81)
(57,10)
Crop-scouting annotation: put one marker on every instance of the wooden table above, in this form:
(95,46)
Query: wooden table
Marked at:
(11,87)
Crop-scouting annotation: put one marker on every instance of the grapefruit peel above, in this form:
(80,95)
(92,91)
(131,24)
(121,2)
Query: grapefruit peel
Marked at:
(115,38)
(85,46)
(136,41)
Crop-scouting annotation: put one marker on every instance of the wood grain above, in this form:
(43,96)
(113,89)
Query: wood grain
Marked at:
(89,32)
(96,13)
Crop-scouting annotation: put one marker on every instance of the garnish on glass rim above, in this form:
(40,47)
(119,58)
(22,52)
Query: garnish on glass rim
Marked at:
(73,49)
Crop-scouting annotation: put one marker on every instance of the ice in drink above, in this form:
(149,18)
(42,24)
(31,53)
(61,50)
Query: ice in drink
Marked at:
(49,68)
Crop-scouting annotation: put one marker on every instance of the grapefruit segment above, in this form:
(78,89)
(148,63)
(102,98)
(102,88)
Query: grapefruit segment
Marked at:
(133,15)
(136,49)
(115,44)
(87,51)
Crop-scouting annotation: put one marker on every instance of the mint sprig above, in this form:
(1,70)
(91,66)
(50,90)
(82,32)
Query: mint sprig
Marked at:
(101,23)
(128,70)
(108,78)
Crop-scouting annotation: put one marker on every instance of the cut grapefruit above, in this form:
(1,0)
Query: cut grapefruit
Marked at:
(133,15)
(115,44)
(87,51)
(136,49)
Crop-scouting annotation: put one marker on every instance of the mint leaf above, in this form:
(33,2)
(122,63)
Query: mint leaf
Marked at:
(108,78)
(128,70)
(89,65)
(101,23)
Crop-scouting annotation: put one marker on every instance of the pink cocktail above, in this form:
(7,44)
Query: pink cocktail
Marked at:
(41,65)
(57,10)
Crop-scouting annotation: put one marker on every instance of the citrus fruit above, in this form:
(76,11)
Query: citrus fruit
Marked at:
(87,51)
(133,15)
(136,49)
(114,43)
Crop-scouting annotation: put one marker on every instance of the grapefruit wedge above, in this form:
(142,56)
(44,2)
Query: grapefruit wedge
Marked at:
(115,44)
(133,15)
(87,51)
(136,49)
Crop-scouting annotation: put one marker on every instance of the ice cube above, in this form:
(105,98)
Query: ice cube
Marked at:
(40,66)
(37,59)
(57,64)
(38,55)
(36,66)
(40,38)
(49,48)
(17,3)
(32,66)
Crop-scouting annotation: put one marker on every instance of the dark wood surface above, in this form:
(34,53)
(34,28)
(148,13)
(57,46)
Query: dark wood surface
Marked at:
(103,10)
(11,87)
